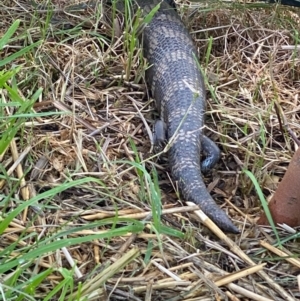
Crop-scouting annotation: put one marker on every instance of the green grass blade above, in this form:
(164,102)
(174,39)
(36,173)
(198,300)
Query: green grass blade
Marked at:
(264,203)
(9,33)
(12,57)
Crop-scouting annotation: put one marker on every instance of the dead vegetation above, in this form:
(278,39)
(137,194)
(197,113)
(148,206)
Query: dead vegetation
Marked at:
(250,57)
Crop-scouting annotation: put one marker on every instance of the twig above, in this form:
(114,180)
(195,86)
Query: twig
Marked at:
(237,250)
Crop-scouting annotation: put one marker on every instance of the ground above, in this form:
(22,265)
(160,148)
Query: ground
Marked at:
(76,117)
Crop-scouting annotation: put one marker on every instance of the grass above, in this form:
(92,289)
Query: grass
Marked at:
(87,213)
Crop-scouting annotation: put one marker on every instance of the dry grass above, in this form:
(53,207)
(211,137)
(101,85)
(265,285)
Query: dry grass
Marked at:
(251,60)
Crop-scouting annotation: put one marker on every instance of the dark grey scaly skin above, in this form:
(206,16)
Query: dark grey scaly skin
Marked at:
(177,86)
(178,89)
